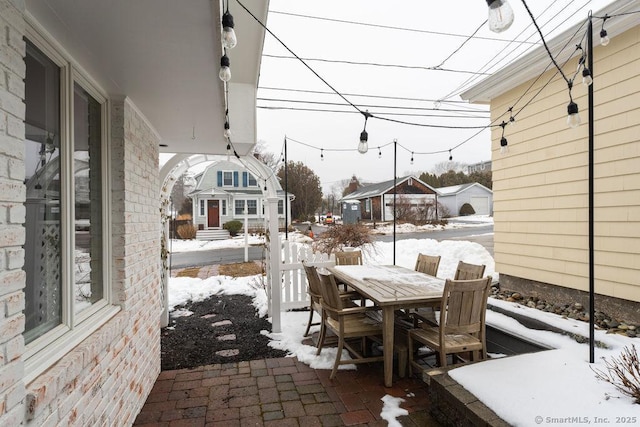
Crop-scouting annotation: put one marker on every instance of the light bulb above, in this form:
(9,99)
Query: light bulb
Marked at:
(322,155)
(604,38)
(227,130)
(512,121)
(573,119)
(379,153)
(229,39)
(500,15)
(228,152)
(411,158)
(363,147)
(587,80)
(225,71)
(504,147)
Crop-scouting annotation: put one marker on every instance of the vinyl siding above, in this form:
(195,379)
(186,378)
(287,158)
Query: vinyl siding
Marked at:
(541,188)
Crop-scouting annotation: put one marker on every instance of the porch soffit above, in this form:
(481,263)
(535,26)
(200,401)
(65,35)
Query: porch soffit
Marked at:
(164,55)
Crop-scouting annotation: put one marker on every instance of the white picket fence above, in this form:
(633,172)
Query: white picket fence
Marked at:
(294,281)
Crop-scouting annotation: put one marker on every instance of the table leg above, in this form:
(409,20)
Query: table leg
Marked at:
(388,320)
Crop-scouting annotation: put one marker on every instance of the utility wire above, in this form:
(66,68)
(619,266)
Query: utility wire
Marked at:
(300,59)
(462,45)
(374,64)
(396,107)
(389,27)
(465,103)
(320,110)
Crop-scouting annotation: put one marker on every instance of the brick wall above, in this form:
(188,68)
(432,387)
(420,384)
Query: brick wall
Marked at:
(106,379)
(12,212)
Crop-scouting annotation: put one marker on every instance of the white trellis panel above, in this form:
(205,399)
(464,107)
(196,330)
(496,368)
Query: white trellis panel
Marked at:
(294,281)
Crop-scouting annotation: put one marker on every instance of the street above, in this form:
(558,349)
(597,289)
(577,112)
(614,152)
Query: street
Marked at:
(482,234)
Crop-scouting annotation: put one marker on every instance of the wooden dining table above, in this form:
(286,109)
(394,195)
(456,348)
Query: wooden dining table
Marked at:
(390,287)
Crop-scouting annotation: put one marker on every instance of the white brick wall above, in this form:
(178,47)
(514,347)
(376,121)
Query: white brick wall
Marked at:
(12,196)
(106,378)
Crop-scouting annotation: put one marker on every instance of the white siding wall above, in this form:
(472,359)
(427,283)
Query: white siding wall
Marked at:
(541,188)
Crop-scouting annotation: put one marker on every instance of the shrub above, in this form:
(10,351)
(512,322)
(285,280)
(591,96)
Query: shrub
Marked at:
(623,373)
(233,227)
(467,209)
(341,236)
(187,231)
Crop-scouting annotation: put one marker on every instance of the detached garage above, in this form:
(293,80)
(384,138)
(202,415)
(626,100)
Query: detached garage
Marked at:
(479,196)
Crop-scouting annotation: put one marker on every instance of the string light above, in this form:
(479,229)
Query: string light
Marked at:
(227,130)
(228,151)
(450,155)
(573,118)
(322,154)
(379,153)
(500,15)
(225,71)
(363,146)
(504,148)
(412,157)
(604,37)
(587,80)
(229,39)
(512,119)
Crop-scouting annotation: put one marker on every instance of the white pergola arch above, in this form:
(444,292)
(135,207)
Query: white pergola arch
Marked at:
(179,164)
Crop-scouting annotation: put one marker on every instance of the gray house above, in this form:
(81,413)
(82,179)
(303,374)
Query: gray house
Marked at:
(479,196)
(224,190)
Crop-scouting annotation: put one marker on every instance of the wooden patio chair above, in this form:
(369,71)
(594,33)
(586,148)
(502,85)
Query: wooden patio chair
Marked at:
(349,257)
(428,264)
(315,294)
(346,322)
(466,271)
(462,323)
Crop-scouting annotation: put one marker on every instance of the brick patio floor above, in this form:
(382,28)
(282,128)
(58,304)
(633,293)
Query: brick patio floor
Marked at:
(279,392)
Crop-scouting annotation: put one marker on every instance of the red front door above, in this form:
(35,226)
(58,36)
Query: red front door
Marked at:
(213,213)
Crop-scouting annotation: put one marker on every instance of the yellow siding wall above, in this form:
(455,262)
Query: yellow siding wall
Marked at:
(541,188)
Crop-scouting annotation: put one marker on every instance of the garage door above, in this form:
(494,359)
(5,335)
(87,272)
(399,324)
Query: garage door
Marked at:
(480,205)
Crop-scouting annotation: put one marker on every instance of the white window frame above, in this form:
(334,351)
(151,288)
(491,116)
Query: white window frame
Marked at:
(255,203)
(224,184)
(44,351)
(223,207)
(251,178)
(202,211)
(235,206)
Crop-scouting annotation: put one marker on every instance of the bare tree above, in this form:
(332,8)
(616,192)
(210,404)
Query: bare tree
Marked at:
(268,158)
(444,167)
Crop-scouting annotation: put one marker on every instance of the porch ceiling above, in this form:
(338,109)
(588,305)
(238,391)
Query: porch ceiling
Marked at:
(165,56)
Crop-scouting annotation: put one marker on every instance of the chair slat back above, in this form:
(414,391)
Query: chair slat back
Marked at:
(464,305)
(313,280)
(467,271)
(329,290)
(428,264)
(349,258)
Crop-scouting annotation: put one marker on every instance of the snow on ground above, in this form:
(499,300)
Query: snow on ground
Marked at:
(549,387)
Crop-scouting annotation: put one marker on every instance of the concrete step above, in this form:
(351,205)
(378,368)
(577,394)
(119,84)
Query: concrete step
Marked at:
(212,234)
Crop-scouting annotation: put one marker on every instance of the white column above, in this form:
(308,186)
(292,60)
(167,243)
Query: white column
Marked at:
(274,265)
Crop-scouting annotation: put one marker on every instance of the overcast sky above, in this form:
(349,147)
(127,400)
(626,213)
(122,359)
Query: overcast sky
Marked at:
(428,46)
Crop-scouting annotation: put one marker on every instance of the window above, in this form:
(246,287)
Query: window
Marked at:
(67,230)
(239,204)
(224,208)
(367,205)
(252,207)
(227,179)
(252,181)
(202,207)
(280,207)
